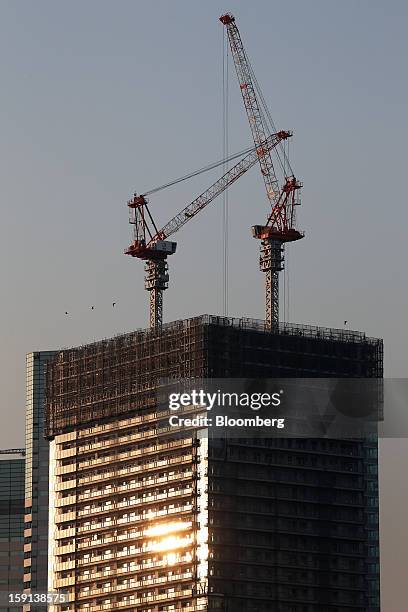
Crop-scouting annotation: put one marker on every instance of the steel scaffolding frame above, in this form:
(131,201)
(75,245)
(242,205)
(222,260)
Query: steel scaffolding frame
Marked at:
(127,373)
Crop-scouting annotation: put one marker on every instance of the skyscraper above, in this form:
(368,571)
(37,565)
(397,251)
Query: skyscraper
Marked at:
(143,518)
(11,526)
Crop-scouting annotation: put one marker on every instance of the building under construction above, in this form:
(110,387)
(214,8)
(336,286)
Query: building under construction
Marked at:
(148,519)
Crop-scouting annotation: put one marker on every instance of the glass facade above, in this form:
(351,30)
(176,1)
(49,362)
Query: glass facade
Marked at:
(289,524)
(11,525)
(36,477)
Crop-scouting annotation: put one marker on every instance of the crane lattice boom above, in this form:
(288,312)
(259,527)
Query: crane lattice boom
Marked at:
(253,110)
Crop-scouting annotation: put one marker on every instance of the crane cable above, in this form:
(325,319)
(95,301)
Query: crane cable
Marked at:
(285,163)
(283,159)
(287,170)
(194,173)
(225,146)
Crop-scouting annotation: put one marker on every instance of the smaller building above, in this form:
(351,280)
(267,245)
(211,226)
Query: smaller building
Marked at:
(11,524)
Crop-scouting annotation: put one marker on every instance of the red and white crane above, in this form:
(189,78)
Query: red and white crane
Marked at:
(280,225)
(151,244)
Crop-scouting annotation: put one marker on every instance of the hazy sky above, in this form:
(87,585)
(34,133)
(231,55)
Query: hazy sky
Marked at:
(101,98)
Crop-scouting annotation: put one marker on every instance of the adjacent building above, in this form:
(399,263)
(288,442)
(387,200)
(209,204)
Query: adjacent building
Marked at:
(36,478)
(11,525)
(143,518)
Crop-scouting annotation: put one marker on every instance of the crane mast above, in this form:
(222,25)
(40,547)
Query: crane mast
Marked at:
(280,225)
(150,243)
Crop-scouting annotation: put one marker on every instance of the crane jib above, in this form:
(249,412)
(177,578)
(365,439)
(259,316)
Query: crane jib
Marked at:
(221,184)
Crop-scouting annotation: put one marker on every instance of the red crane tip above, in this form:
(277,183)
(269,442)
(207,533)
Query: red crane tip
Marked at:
(227,18)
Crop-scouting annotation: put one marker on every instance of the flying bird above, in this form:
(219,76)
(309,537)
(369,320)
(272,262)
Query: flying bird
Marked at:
(66,312)
(345,322)
(113,304)
(92,307)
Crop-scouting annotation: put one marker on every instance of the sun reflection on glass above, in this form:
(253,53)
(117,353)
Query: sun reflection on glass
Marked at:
(170,538)
(171,559)
(165,528)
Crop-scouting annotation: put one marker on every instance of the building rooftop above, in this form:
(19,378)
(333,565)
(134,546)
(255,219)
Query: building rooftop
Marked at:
(247,323)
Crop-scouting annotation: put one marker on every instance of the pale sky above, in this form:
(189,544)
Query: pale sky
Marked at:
(101,98)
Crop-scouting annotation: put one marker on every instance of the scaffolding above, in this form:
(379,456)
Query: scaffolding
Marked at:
(126,374)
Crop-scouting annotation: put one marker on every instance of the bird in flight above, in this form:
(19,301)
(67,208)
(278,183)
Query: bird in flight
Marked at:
(113,304)
(92,307)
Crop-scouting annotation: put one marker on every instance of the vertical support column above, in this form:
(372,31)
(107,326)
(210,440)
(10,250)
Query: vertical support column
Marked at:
(201,451)
(271,262)
(156,281)
(156,309)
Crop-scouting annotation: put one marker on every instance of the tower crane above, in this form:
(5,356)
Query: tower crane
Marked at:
(280,225)
(150,243)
